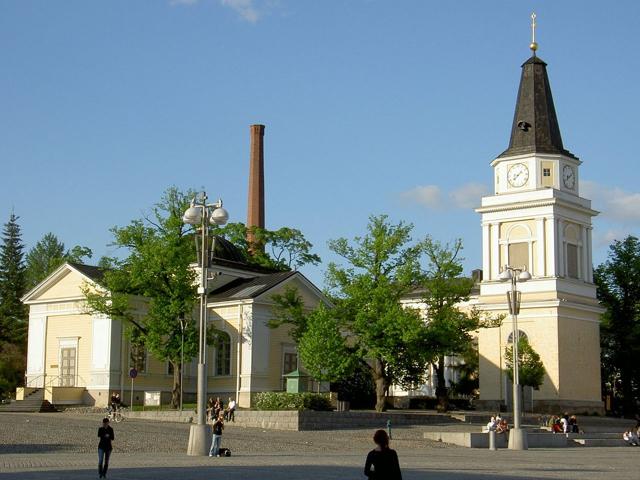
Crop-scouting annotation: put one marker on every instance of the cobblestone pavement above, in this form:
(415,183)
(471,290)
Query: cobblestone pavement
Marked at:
(58,446)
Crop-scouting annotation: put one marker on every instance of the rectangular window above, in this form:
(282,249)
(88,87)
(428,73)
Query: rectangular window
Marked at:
(547,174)
(519,255)
(290,362)
(138,358)
(572,260)
(223,357)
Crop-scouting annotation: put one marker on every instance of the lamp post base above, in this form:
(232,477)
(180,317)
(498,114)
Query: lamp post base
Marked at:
(199,440)
(518,439)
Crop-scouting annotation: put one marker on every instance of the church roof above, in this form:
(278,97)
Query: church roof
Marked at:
(535,124)
(246,288)
(94,273)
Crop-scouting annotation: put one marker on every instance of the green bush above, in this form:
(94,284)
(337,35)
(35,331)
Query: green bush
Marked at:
(291,401)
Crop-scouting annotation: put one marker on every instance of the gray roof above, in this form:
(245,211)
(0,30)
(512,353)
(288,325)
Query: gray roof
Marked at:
(535,124)
(246,288)
(94,273)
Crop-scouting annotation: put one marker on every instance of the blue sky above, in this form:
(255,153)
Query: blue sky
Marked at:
(370,107)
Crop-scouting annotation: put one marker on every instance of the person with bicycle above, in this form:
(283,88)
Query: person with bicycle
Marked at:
(115,402)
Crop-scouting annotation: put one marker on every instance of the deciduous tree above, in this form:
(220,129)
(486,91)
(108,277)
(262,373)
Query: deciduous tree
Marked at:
(618,281)
(156,271)
(381,268)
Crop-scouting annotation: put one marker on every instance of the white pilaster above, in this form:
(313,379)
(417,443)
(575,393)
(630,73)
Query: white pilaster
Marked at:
(550,253)
(495,251)
(540,240)
(560,247)
(486,251)
(589,264)
(584,271)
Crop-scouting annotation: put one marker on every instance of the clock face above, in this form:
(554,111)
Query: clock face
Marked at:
(568,177)
(518,175)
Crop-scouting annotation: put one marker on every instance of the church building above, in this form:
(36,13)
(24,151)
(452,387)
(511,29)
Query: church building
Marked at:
(537,220)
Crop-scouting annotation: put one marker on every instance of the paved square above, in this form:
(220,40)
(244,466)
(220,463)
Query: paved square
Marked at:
(63,446)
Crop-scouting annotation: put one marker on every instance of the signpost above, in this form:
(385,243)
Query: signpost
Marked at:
(133,373)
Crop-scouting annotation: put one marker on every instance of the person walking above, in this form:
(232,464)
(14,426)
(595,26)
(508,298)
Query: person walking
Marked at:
(106,436)
(216,441)
(382,462)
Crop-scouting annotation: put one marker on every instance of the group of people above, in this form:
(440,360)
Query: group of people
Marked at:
(216,407)
(632,436)
(497,424)
(564,424)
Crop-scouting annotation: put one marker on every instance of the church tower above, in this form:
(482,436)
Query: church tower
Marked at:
(537,219)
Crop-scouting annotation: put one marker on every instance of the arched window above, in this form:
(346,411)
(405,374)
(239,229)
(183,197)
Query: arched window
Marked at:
(518,244)
(521,336)
(223,354)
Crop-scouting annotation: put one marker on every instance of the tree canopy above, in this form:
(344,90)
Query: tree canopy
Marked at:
(448,329)
(13,314)
(618,281)
(530,367)
(156,271)
(13,285)
(47,255)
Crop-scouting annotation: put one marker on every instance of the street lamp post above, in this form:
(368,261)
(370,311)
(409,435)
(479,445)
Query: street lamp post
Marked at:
(182,325)
(203,214)
(517,436)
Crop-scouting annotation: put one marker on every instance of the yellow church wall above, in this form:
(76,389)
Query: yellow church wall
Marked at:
(68,286)
(579,373)
(68,326)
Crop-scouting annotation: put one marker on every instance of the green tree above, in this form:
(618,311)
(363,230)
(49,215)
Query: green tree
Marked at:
(530,367)
(13,314)
(448,330)
(382,268)
(284,249)
(323,348)
(156,270)
(12,367)
(47,255)
(618,281)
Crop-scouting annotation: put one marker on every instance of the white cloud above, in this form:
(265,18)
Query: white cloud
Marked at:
(429,196)
(469,195)
(614,203)
(466,196)
(245,8)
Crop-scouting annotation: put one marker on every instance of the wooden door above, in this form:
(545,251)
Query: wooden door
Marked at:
(68,367)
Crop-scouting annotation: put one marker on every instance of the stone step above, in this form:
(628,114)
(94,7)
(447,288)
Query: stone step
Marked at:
(600,442)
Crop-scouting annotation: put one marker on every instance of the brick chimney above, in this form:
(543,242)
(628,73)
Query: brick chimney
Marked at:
(255,211)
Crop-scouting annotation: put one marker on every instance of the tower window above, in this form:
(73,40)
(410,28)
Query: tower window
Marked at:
(519,255)
(572,260)
(546,172)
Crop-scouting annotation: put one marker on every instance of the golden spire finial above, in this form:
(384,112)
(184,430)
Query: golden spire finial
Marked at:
(533,46)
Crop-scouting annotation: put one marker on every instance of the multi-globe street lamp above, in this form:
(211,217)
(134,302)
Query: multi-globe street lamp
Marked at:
(202,214)
(517,436)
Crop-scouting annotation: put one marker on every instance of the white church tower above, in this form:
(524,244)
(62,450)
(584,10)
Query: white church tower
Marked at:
(537,219)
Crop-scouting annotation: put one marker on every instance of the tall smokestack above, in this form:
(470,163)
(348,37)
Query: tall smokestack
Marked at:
(255,213)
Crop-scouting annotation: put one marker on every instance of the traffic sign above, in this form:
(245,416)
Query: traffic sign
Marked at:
(133,373)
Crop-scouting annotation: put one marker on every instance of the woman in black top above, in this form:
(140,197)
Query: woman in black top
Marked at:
(382,462)
(106,436)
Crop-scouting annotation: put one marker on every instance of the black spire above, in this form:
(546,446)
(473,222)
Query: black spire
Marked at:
(535,125)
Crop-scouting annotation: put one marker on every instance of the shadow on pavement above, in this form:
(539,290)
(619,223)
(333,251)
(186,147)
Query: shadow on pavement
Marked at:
(36,448)
(288,472)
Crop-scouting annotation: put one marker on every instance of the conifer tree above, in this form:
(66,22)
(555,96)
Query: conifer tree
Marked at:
(13,314)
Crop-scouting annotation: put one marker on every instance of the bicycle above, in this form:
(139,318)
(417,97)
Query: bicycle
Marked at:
(115,415)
